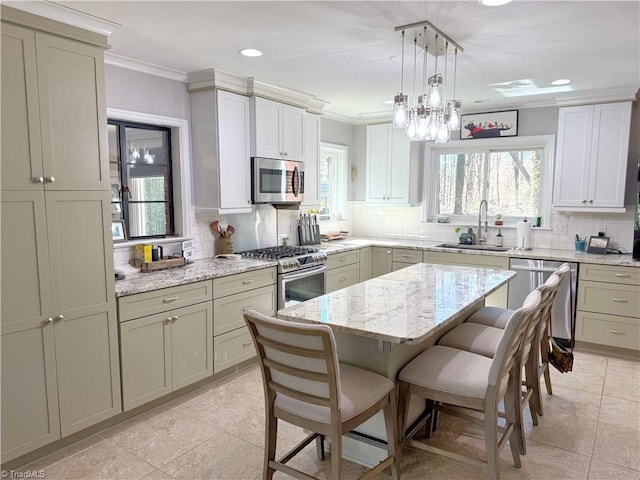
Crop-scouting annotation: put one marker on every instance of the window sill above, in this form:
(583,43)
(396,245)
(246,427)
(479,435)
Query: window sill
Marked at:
(506,226)
(159,241)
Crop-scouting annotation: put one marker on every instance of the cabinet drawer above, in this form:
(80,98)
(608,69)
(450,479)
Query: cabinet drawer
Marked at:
(242,282)
(608,330)
(346,258)
(227,311)
(609,298)
(465,259)
(407,255)
(401,265)
(231,348)
(163,300)
(610,274)
(342,277)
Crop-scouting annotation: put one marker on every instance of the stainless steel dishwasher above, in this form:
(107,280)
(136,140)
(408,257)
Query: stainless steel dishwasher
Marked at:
(530,274)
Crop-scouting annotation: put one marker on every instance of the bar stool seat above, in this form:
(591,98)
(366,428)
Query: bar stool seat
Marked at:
(473,337)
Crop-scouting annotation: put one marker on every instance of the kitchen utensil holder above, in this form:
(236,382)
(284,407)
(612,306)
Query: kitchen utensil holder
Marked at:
(308,234)
(223,245)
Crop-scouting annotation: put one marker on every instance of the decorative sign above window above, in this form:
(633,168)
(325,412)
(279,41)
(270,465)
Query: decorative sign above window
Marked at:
(489,125)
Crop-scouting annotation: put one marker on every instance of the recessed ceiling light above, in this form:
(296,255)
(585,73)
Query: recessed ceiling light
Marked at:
(494,3)
(250,52)
(561,81)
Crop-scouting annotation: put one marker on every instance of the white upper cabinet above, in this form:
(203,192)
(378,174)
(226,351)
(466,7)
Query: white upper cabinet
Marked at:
(278,130)
(220,134)
(392,168)
(311,159)
(591,163)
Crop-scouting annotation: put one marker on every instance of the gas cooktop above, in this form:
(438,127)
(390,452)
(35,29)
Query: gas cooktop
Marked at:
(290,258)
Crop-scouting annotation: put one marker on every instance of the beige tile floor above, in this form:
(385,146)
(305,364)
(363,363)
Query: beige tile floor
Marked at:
(590,430)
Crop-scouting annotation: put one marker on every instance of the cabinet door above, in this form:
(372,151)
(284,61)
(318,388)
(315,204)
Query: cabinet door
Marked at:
(381,261)
(292,133)
(365,264)
(398,168)
(311,159)
(609,149)
(20,125)
(234,150)
(378,148)
(82,282)
(72,114)
(268,119)
(29,392)
(571,184)
(191,344)
(26,283)
(145,344)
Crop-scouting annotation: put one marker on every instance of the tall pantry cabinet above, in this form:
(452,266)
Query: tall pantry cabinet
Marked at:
(58,324)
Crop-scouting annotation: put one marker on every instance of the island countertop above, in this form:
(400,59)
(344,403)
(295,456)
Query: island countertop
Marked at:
(403,307)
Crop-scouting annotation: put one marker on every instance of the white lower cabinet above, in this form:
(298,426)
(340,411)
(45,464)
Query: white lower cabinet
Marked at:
(168,350)
(233,295)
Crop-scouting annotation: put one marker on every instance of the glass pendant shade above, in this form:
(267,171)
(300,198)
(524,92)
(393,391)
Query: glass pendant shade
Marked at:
(435,92)
(422,127)
(454,108)
(412,125)
(400,110)
(444,134)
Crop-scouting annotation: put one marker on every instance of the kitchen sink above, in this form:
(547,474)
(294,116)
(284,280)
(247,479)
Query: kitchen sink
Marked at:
(462,246)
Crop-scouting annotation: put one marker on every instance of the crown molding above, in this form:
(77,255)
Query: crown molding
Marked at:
(215,78)
(144,67)
(621,94)
(68,15)
(339,117)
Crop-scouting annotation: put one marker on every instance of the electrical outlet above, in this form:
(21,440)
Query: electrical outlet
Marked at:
(561,227)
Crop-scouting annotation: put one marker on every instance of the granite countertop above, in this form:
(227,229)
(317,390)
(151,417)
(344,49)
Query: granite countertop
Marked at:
(405,306)
(536,253)
(197,271)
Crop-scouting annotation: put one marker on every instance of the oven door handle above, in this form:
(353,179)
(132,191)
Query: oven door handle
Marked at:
(306,273)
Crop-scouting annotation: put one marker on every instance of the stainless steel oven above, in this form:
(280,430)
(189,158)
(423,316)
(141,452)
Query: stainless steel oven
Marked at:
(302,272)
(301,285)
(276,181)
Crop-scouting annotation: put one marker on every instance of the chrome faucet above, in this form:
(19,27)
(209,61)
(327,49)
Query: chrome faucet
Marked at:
(482,238)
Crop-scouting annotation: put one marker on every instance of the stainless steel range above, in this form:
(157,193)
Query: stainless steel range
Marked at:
(301,272)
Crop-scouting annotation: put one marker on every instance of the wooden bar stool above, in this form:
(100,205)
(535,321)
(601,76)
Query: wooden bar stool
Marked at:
(305,385)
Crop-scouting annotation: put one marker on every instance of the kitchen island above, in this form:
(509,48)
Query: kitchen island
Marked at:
(383,323)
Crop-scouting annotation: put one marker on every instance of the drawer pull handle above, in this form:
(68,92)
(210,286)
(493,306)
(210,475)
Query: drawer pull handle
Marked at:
(170,299)
(621,300)
(623,275)
(617,332)
(342,259)
(342,279)
(247,344)
(404,255)
(247,282)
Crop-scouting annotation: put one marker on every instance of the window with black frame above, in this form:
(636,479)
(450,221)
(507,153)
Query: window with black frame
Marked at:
(141,185)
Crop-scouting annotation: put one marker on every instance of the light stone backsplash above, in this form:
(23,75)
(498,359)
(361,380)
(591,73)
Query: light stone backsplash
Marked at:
(406,222)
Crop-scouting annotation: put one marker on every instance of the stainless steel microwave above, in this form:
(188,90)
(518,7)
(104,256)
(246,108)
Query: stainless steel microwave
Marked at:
(279,182)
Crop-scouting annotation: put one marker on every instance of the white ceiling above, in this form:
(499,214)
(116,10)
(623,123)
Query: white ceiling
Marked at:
(348,54)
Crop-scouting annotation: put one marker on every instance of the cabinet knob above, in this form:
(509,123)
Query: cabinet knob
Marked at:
(174,318)
(584,201)
(167,320)
(388,252)
(48,320)
(59,317)
(590,201)
(38,179)
(50,179)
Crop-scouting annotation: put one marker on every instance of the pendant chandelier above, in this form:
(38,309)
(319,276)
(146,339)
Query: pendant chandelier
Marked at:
(433,117)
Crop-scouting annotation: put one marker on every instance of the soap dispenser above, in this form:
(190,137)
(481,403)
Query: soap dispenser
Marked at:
(499,238)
